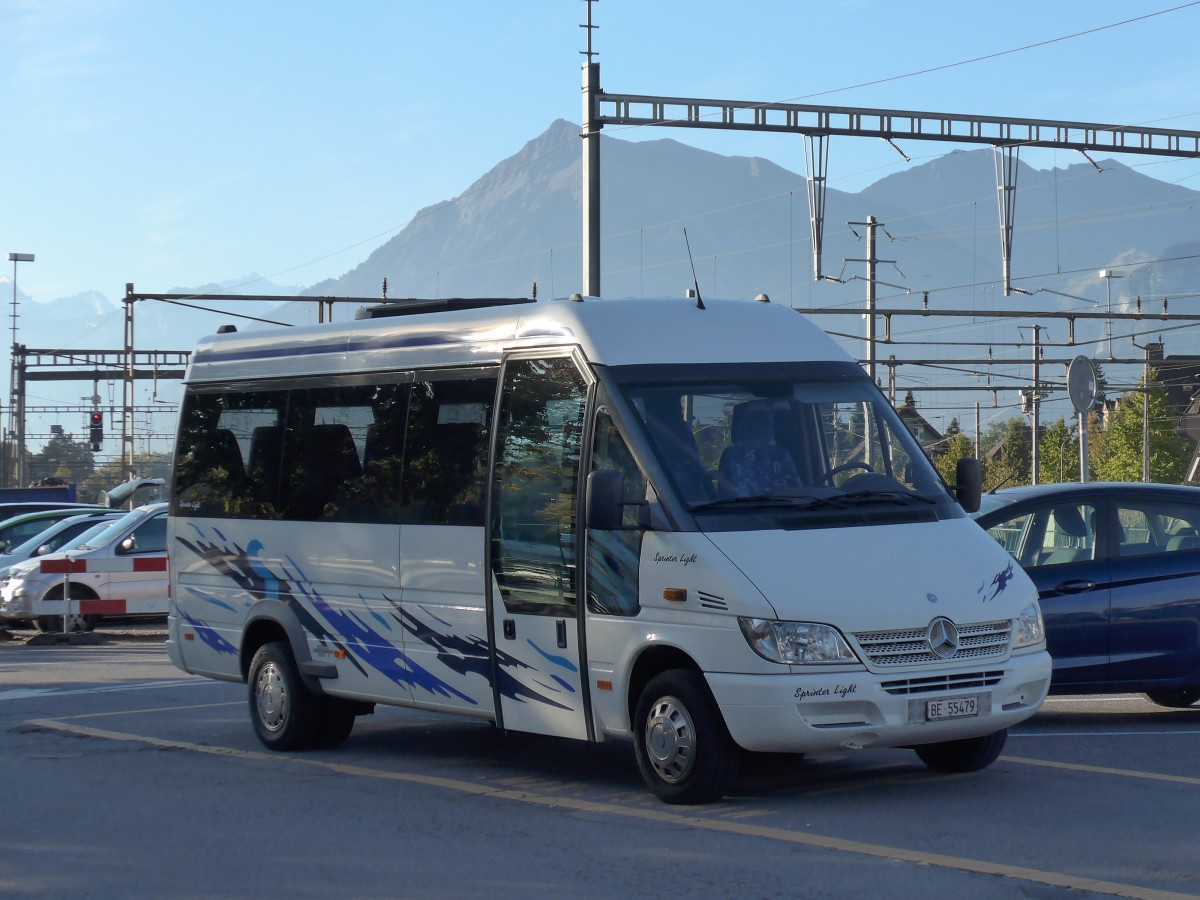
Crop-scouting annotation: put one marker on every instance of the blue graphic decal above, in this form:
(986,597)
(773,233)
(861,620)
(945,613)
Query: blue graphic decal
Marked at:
(349,631)
(566,684)
(209,636)
(557,660)
(999,583)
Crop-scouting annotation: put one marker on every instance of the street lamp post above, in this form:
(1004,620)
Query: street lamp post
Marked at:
(1108,275)
(16,403)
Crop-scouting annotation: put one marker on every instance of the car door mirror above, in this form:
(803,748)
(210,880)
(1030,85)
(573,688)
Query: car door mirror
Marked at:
(128,545)
(605,489)
(968,487)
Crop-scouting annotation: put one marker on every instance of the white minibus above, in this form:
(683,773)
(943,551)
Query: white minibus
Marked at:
(698,526)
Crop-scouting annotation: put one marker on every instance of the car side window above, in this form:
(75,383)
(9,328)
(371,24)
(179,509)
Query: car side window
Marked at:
(149,537)
(1153,526)
(1070,534)
(1010,534)
(1049,535)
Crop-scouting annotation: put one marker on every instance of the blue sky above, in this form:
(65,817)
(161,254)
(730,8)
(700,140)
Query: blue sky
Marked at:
(171,144)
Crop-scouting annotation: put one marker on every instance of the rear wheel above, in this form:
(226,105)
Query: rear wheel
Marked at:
(1174,699)
(684,752)
(285,714)
(968,755)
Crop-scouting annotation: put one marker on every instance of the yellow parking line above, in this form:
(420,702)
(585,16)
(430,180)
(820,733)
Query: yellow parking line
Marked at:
(656,814)
(1101,770)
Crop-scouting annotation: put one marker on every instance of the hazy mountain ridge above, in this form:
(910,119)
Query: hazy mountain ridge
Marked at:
(747,224)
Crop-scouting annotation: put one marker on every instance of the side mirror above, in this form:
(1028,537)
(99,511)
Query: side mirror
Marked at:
(128,545)
(43,550)
(968,484)
(602,509)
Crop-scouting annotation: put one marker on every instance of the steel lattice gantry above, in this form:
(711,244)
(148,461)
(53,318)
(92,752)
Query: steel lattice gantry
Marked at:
(90,365)
(818,123)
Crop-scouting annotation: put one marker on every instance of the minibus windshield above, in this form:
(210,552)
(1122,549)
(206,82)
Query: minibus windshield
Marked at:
(783,440)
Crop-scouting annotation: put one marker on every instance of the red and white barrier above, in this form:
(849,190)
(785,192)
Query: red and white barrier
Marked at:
(83,566)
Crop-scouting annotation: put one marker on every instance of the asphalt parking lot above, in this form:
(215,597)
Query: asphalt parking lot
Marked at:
(126,777)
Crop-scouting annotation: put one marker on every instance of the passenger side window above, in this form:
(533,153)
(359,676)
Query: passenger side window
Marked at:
(614,556)
(1157,526)
(1050,535)
(149,537)
(446,462)
(1010,534)
(1069,535)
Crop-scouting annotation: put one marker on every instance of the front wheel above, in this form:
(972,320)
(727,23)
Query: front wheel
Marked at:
(968,755)
(684,751)
(1181,699)
(285,714)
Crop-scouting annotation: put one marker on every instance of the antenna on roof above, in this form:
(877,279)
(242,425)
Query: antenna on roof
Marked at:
(695,282)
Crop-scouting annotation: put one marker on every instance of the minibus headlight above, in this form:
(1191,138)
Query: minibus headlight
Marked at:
(796,642)
(1028,627)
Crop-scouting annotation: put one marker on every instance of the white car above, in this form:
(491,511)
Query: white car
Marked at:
(121,571)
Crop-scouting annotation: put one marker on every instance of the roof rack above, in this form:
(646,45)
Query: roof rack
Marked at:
(413,306)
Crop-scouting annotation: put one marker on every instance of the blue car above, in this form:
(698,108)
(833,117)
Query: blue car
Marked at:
(1117,567)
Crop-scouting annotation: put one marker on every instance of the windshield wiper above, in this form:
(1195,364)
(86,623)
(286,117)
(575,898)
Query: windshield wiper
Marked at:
(886,496)
(801,501)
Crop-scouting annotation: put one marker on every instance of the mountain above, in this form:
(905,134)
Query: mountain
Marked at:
(746,220)
(747,223)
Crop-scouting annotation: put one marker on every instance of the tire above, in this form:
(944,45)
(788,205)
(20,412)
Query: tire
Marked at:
(337,721)
(968,755)
(285,714)
(1180,699)
(684,751)
(54,624)
(79,623)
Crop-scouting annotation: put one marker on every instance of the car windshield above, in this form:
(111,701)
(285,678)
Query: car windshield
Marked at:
(109,532)
(51,535)
(787,440)
(83,539)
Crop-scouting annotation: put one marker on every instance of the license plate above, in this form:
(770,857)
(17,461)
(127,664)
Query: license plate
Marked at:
(951,708)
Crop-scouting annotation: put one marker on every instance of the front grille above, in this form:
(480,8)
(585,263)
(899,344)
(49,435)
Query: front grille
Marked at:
(956,682)
(910,646)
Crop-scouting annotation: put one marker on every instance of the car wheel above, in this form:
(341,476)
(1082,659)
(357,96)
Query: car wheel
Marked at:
(968,755)
(54,624)
(285,714)
(1174,699)
(684,751)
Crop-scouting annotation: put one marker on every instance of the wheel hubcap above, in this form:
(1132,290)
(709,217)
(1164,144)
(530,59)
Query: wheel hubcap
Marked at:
(270,696)
(670,740)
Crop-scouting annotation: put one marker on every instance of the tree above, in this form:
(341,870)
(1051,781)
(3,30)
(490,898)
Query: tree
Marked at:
(1059,457)
(1121,458)
(64,458)
(956,446)
(1008,455)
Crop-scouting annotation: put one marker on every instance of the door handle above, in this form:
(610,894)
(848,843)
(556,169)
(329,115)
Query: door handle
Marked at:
(510,629)
(560,628)
(1075,586)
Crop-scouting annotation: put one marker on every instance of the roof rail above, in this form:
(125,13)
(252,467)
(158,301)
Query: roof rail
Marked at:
(413,306)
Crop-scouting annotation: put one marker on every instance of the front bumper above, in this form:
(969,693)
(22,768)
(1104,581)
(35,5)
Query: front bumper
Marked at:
(804,713)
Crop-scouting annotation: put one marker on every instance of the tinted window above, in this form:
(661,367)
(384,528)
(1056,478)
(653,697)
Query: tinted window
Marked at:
(446,459)
(613,556)
(389,451)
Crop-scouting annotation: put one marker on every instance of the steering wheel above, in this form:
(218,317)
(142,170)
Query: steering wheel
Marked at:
(845,467)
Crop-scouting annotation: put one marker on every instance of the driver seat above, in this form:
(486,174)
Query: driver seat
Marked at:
(753,463)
